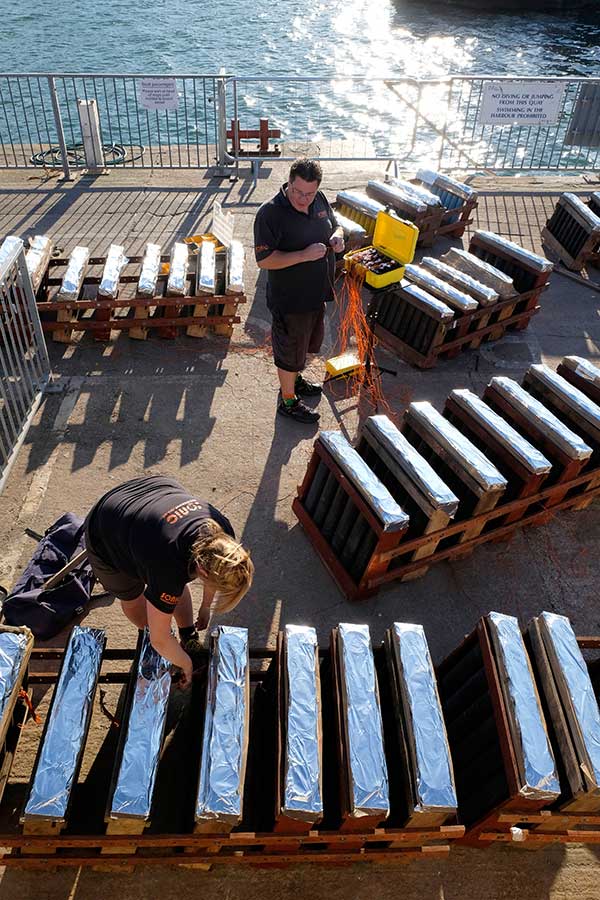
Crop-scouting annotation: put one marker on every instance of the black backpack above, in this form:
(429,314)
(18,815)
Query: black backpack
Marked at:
(47,613)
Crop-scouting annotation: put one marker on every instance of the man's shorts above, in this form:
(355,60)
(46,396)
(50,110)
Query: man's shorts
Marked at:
(123,586)
(294,335)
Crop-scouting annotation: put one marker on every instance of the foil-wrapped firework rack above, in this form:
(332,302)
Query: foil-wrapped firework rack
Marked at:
(359,201)
(484,472)
(114,265)
(206,279)
(235,268)
(178,269)
(444,182)
(63,741)
(37,258)
(445,292)
(529,456)
(151,264)
(535,760)
(583,368)
(421,193)
(426,301)
(73,277)
(540,417)
(423,481)
(366,772)
(302,752)
(142,736)
(509,248)
(430,774)
(484,295)
(481,271)
(15,647)
(393,196)
(11,244)
(220,796)
(566,393)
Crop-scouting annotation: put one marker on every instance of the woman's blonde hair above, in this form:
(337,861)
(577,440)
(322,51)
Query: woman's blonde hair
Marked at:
(227,564)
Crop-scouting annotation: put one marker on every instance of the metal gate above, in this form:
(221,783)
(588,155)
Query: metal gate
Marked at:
(24,362)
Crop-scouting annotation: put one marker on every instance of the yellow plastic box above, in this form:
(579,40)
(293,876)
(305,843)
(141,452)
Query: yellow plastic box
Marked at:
(393,237)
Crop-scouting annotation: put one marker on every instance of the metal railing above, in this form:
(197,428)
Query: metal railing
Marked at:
(24,363)
(154,121)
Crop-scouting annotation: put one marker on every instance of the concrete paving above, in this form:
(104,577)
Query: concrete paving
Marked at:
(204,410)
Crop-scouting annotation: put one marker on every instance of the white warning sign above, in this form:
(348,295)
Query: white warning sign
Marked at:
(159,93)
(521,103)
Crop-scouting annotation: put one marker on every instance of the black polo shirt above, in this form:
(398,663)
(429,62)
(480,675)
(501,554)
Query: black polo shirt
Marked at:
(278,226)
(146,528)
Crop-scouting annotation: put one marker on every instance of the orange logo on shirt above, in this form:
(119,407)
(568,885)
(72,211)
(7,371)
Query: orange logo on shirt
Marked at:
(179,512)
(168,598)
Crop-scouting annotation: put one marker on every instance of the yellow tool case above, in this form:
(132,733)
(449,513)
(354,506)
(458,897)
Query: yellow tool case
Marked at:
(394,243)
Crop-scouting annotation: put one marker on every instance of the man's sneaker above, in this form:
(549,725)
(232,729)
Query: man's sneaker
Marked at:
(298,411)
(307,388)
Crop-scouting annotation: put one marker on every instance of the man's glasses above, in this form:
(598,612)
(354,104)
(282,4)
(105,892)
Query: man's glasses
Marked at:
(303,194)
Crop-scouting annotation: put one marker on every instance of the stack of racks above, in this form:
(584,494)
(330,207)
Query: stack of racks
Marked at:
(352,760)
(199,284)
(573,231)
(446,482)
(446,305)
(436,204)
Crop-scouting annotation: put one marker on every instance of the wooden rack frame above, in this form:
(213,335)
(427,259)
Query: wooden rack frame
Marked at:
(279,847)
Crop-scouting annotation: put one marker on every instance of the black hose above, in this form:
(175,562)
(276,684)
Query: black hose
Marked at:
(114,154)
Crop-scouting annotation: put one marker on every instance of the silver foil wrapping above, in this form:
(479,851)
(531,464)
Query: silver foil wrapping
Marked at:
(484,295)
(302,795)
(445,292)
(132,797)
(9,245)
(515,443)
(392,196)
(434,778)
(426,302)
(479,466)
(420,192)
(350,228)
(381,432)
(583,210)
(540,780)
(114,265)
(532,260)
(446,183)
(38,257)
(225,738)
(178,268)
(574,679)
(367,769)
(480,270)
(206,260)
(73,277)
(235,268)
(66,728)
(359,201)
(583,368)
(150,271)
(391,516)
(12,651)
(568,393)
(541,417)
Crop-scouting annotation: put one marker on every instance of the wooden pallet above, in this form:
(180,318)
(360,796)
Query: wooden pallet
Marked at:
(244,845)
(130,312)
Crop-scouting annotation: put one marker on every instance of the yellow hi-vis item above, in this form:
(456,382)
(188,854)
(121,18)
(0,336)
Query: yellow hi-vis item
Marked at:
(345,364)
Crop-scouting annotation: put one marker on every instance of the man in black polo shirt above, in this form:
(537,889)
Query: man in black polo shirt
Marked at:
(296,239)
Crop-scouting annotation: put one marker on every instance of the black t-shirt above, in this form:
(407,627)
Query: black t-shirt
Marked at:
(146,528)
(278,226)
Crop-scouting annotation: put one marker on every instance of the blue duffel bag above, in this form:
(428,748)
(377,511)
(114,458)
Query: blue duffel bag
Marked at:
(46,613)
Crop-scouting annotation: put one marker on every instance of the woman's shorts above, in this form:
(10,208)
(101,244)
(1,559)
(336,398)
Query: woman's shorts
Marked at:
(123,586)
